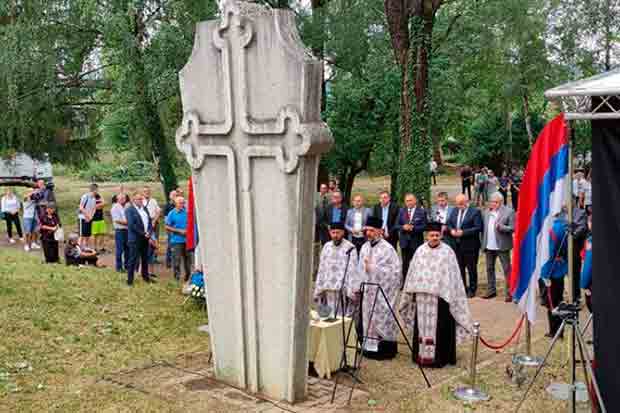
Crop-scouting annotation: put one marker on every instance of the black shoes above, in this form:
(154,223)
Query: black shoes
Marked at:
(471,294)
(488,296)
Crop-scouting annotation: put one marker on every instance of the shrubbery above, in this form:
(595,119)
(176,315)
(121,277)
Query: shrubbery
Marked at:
(132,171)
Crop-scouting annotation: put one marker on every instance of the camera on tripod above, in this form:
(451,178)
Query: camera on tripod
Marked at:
(566,310)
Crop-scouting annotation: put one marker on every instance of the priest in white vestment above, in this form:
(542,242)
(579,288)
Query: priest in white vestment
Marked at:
(337,267)
(434,302)
(379,264)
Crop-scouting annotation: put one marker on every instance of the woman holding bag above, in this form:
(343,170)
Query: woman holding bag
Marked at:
(50,224)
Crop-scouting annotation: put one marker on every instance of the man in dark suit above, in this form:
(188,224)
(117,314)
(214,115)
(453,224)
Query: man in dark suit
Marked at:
(388,212)
(335,212)
(411,225)
(140,230)
(464,228)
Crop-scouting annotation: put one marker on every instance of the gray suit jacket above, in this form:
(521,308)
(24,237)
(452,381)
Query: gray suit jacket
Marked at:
(504,228)
(348,223)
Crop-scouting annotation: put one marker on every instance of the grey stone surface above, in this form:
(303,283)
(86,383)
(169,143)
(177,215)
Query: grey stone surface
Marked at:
(252,134)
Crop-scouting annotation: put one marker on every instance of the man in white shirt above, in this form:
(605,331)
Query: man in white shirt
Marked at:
(433,168)
(355,222)
(86,212)
(579,184)
(119,221)
(441,211)
(152,207)
(497,242)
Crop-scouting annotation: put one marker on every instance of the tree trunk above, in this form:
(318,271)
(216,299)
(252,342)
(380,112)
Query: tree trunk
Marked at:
(528,118)
(509,130)
(348,184)
(437,152)
(398,13)
(608,34)
(149,114)
(318,17)
(395,163)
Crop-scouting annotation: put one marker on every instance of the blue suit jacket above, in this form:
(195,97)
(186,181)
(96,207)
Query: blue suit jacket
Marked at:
(135,226)
(415,238)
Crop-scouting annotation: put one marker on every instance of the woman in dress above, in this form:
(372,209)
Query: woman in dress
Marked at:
(49,224)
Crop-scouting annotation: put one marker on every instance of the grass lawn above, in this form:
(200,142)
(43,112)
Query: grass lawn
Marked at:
(63,328)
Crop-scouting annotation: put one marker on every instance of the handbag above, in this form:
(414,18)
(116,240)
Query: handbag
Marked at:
(59,234)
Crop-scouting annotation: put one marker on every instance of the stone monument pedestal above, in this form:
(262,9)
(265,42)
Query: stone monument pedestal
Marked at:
(253,136)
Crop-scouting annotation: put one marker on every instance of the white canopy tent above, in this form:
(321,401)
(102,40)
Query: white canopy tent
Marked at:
(576,97)
(597,99)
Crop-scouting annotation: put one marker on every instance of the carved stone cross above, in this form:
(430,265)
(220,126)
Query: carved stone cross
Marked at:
(252,134)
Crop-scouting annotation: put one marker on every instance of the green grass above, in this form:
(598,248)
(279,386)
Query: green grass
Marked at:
(64,327)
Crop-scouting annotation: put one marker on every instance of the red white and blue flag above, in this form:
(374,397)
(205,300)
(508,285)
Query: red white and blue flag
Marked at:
(543,192)
(191,238)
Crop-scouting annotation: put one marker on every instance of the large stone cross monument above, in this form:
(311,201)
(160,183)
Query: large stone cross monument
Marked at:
(252,134)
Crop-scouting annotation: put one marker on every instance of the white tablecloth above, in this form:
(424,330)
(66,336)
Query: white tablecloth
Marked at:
(325,345)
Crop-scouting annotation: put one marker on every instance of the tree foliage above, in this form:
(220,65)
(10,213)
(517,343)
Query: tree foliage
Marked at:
(402,76)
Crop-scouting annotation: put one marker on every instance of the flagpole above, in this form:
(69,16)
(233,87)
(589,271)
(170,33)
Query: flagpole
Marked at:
(571,269)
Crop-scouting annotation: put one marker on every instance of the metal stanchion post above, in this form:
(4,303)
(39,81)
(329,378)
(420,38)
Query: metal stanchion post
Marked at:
(527,359)
(471,393)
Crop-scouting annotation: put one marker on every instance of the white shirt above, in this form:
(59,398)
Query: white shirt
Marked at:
(411,212)
(578,186)
(461,217)
(10,204)
(145,218)
(357,220)
(384,217)
(152,206)
(491,235)
(89,204)
(433,166)
(587,189)
(29,209)
(118,214)
(442,214)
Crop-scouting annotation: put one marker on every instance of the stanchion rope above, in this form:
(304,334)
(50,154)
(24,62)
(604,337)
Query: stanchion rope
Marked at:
(499,347)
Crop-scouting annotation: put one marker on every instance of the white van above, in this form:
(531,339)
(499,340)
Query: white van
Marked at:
(21,169)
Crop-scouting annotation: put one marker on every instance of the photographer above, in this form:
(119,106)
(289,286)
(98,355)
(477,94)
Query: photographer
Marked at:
(586,271)
(554,270)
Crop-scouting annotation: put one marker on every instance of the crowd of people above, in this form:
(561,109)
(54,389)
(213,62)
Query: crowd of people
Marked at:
(137,221)
(437,244)
(365,237)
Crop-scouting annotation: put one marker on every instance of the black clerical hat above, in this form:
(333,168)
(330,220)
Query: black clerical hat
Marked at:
(337,225)
(374,222)
(434,226)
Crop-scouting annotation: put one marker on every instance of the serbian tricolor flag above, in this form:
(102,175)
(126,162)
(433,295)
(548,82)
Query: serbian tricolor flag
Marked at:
(191,238)
(542,194)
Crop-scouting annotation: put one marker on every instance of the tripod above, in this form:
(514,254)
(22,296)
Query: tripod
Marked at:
(359,354)
(569,313)
(343,302)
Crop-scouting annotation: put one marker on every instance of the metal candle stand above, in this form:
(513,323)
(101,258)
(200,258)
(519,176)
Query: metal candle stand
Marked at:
(471,393)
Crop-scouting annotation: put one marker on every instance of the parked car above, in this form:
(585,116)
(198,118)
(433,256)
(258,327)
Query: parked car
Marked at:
(21,169)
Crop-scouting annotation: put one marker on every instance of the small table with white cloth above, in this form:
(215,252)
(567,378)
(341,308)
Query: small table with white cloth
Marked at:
(325,345)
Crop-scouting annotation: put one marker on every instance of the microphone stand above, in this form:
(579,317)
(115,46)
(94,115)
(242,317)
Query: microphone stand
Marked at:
(344,365)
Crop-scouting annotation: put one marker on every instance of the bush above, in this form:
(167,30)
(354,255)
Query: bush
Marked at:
(131,171)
